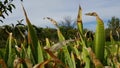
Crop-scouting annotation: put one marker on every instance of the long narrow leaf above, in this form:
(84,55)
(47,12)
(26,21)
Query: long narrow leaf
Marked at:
(35,46)
(82,39)
(79,21)
(73,60)
(67,58)
(99,37)
(9,55)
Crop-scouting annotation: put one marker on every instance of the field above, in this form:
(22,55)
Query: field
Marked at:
(78,52)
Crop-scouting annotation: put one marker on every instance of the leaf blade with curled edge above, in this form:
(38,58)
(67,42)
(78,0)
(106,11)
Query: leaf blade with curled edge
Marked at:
(55,58)
(59,45)
(99,37)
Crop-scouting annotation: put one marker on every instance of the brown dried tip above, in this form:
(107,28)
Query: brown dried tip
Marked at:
(91,14)
(79,17)
(80,7)
(52,20)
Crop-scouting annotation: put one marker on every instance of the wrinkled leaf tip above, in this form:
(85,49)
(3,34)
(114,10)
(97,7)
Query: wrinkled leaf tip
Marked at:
(79,17)
(80,10)
(80,7)
(46,18)
(91,14)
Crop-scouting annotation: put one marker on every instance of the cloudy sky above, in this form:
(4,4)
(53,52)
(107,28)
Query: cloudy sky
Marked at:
(58,9)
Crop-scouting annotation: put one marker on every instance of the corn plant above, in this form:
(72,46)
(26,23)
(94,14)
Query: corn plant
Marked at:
(99,37)
(66,53)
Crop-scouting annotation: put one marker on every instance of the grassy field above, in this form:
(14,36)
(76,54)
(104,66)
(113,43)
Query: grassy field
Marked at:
(79,52)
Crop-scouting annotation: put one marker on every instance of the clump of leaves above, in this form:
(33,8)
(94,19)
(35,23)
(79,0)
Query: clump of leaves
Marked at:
(5,7)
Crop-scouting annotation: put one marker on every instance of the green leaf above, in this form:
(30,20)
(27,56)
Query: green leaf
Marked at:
(79,21)
(34,43)
(99,37)
(67,58)
(8,54)
(73,60)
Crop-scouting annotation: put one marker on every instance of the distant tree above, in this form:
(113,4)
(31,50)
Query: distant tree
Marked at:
(67,27)
(114,23)
(114,26)
(68,22)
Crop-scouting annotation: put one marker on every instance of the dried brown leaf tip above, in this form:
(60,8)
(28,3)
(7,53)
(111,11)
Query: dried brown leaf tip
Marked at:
(79,17)
(41,65)
(19,49)
(54,59)
(52,20)
(96,15)
(17,62)
(91,14)
(94,59)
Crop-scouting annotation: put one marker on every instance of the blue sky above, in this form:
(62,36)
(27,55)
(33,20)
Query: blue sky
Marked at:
(58,9)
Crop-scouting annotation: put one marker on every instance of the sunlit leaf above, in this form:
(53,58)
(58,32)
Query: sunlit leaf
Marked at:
(99,37)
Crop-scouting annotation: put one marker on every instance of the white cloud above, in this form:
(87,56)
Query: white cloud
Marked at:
(57,9)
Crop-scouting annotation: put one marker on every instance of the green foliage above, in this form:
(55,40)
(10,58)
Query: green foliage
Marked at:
(99,37)
(80,50)
(34,43)
(5,7)
(114,23)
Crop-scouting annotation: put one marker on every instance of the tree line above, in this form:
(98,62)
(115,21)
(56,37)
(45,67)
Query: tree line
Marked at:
(67,27)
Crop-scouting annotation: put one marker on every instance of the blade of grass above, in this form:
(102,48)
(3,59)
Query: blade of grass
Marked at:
(79,21)
(8,54)
(48,46)
(99,37)
(73,60)
(82,39)
(35,46)
(67,58)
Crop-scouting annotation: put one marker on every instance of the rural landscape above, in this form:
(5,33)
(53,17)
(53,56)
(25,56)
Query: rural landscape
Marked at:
(68,45)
